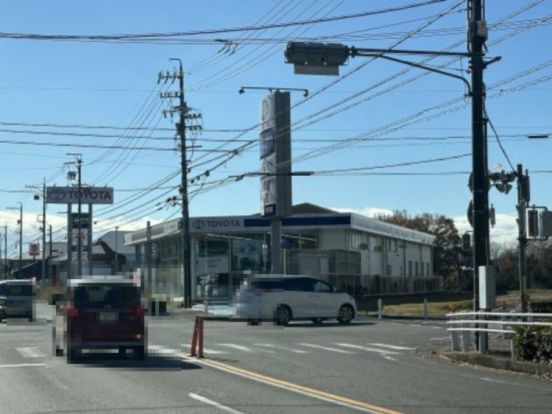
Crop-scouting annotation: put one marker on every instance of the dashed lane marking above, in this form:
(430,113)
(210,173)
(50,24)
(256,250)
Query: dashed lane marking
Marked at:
(213,403)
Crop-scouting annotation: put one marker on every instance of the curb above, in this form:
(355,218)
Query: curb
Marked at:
(499,362)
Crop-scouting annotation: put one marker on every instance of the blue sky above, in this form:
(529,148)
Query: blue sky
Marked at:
(114,84)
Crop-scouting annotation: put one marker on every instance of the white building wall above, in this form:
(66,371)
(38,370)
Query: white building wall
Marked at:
(333,239)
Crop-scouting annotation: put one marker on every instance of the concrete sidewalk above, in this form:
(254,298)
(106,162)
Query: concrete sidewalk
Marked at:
(498,357)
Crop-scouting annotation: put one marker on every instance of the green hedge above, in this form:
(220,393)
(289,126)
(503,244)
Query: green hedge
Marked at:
(534,344)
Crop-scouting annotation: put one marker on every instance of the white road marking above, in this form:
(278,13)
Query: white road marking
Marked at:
(493,380)
(30,352)
(396,347)
(283,348)
(368,349)
(236,346)
(390,358)
(213,351)
(326,348)
(214,403)
(439,338)
(41,364)
(416,324)
(163,350)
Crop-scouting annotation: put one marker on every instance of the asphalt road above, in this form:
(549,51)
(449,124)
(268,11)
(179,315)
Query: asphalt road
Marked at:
(369,366)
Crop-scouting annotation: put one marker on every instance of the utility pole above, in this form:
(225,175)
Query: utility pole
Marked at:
(477,35)
(79,211)
(50,251)
(523,200)
(44,275)
(5,251)
(116,249)
(183,112)
(90,225)
(20,238)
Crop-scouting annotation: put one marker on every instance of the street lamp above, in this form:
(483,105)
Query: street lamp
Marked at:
(20,222)
(116,249)
(37,197)
(323,58)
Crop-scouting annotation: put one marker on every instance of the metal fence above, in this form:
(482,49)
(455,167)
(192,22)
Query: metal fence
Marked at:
(464,325)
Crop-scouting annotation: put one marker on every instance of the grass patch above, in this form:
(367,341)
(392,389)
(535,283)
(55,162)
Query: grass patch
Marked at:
(507,301)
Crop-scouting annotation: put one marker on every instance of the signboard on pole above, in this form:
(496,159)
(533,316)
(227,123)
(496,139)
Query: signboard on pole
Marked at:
(71,195)
(275,155)
(34,249)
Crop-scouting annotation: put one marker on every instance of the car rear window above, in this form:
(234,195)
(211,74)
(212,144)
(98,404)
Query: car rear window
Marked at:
(103,296)
(16,289)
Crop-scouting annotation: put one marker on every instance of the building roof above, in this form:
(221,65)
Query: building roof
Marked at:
(310,217)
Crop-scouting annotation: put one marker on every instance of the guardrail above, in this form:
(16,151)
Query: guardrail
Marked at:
(463,326)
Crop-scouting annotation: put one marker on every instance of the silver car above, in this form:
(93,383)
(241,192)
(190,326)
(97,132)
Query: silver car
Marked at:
(282,298)
(16,299)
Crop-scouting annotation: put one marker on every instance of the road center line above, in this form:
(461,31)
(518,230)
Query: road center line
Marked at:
(214,403)
(299,389)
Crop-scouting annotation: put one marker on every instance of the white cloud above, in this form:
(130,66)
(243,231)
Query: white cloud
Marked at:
(367,211)
(504,232)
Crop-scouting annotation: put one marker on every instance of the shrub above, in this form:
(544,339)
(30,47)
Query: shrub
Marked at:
(534,344)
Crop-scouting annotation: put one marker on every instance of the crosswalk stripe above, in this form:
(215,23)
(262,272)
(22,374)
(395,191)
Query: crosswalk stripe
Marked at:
(326,348)
(30,352)
(213,351)
(368,349)
(283,348)
(41,364)
(396,347)
(236,346)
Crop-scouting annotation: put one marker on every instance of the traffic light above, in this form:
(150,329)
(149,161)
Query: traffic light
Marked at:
(533,223)
(466,241)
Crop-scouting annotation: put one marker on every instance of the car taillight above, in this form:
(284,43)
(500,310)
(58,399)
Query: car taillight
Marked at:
(72,312)
(139,310)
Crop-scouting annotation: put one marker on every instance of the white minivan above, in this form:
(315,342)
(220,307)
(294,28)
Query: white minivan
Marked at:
(282,298)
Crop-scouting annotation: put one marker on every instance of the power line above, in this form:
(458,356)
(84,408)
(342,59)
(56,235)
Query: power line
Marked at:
(499,142)
(143,36)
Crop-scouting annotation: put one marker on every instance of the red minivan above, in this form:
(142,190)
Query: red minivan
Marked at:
(100,313)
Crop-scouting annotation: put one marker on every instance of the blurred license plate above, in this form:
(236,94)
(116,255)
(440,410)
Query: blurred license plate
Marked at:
(108,317)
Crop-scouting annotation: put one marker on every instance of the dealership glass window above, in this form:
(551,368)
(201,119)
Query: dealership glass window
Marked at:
(417,274)
(247,254)
(359,240)
(427,269)
(410,268)
(376,243)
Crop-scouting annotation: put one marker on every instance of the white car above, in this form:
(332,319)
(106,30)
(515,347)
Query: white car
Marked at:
(282,298)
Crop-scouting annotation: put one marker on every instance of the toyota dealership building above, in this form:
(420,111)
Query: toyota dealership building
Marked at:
(357,254)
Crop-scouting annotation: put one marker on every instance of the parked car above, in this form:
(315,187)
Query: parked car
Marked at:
(100,313)
(283,298)
(17,299)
